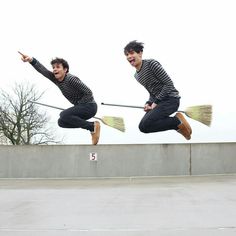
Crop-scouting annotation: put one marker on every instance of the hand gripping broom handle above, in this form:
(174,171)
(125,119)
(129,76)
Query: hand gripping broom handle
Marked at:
(131,106)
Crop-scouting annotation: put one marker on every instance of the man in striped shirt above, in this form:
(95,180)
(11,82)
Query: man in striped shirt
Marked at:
(84,106)
(163,99)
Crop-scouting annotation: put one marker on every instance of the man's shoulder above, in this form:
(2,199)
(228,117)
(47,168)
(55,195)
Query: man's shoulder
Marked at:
(70,76)
(151,61)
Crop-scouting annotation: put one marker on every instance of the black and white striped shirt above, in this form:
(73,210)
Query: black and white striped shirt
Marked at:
(157,82)
(71,87)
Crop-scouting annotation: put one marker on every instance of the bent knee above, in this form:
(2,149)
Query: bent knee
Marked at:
(60,123)
(143,128)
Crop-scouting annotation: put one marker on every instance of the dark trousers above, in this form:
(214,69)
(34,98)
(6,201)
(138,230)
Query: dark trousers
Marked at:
(77,116)
(159,118)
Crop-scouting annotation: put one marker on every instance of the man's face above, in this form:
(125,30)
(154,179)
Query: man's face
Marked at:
(134,58)
(58,71)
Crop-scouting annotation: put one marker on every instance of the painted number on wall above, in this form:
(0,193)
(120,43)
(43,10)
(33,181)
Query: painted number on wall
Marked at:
(93,156)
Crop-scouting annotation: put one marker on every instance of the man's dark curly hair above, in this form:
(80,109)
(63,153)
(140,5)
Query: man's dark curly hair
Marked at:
(61,61)
(134,46)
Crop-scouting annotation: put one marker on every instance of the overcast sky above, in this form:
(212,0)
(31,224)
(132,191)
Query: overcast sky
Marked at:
(194,40)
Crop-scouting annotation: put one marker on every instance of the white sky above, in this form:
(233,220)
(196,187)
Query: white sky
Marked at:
(194,40)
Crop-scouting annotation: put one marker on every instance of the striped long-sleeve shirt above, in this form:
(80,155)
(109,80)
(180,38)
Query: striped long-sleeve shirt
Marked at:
(71,87)
(157,82)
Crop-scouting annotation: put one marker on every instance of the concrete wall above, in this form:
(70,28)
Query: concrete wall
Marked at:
(74,161)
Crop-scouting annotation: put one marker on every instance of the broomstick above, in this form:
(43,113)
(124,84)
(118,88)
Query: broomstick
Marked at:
(201,113)
(112,121)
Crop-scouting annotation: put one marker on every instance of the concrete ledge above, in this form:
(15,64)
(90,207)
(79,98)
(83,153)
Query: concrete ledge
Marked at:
(73,161)
(214,158)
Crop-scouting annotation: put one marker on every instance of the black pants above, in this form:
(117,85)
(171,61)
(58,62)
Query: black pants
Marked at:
(77,116)
(159,118)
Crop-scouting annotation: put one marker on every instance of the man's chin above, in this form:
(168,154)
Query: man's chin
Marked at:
(132,64)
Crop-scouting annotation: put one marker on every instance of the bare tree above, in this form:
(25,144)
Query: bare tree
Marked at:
(20,120)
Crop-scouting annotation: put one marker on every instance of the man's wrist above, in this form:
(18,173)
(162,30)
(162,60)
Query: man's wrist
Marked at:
(33,61)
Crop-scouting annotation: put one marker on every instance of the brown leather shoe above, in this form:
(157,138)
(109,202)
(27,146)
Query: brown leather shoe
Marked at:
(180,116)
(184,128)
(184,131)
(96,133)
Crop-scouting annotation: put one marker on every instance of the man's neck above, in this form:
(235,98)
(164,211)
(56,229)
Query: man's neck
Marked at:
(62,78)
(138,67)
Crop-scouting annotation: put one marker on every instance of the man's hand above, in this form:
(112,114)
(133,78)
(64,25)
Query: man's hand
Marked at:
(153,105)
(147,107)
(25,58)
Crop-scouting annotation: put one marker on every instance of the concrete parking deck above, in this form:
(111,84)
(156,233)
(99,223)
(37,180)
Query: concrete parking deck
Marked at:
(183,206)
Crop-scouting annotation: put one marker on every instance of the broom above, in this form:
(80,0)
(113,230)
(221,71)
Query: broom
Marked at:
(201,113)
(112,121)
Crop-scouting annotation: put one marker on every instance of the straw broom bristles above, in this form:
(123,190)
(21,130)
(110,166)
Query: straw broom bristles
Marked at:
(114,122)
(201,113)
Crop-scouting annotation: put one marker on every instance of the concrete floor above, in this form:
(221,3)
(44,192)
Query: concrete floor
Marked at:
(183,206)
